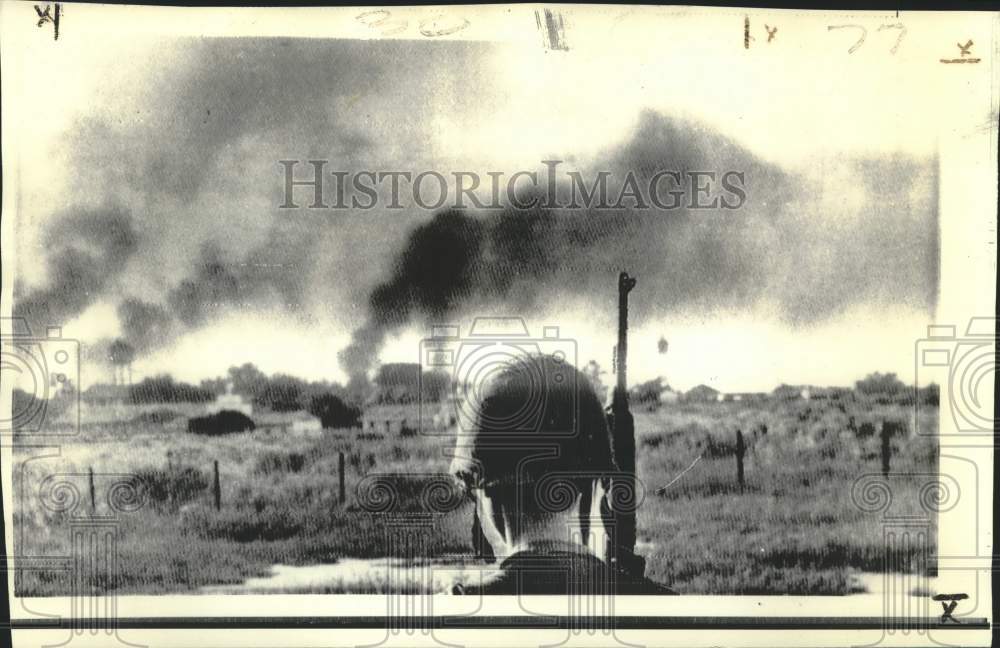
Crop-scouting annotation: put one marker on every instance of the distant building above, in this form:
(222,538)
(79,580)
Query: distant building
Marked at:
(398,382)
(702,394)
(829,393)
(388,418)
(668,395)
(230,401)
(298,421)
(745,397)
(305,422)
(792,392)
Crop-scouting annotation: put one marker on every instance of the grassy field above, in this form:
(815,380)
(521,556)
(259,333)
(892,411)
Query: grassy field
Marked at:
(792,529)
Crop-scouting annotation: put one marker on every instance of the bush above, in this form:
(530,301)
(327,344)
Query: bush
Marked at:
(156,417)
(652,441)
(172,487)
(163,389)
(244,525)
(715,448)
(408,493)
(280,394)
(895,428)
(883,388)
(866,430)
(334,412)
(280,462)
(224,422)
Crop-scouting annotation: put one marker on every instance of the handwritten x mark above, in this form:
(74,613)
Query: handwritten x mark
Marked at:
(47,17)
(948,603)
(948,609)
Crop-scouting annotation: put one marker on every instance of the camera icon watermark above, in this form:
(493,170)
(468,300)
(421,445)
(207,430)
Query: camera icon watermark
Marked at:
(495,347)
(964,368)
(41,376)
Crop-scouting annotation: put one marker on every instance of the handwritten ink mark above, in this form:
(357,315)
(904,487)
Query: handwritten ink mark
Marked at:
(949,601)
(965,52)
(902,32)
(431,29)
(860,41)
(770,32)
(47,17)
(746,32)
(553,31)
(380,18)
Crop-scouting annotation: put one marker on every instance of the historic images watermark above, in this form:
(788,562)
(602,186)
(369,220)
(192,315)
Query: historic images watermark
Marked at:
(41,372)
(665,189)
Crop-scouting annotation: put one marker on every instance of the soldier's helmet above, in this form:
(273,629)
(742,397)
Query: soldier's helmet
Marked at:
(533,416)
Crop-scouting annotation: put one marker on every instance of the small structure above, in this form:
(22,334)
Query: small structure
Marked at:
(230,401)
(702,394)
(441,418)
(829,393)
(295,422)
(302,421)
(390,418)
(745,397)
(792,392)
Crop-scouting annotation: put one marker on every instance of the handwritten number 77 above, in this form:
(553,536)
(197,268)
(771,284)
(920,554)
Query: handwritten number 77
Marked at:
(864,34)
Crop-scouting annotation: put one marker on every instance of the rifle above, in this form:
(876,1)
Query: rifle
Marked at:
(623,555)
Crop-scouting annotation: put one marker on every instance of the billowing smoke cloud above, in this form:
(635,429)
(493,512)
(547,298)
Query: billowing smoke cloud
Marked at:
(194,155)
(797,245)
(87,249)
(145,325)
(216,285)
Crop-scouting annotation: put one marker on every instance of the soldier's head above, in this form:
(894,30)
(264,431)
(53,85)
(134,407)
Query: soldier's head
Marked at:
(537,454)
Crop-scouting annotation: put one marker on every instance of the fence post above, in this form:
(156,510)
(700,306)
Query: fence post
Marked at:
(93,493)
(741,450)
(216,487)
(886,447)
(340,472)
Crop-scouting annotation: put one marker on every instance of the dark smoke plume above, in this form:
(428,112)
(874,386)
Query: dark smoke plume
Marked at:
(86,249)
(145,325)
(205,139)
(218,283)
(121,353)
(790,246)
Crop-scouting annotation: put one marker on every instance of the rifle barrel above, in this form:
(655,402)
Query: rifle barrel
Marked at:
(625,285)
(624,441)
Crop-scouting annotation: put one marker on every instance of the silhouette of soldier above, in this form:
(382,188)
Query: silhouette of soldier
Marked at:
(537,462)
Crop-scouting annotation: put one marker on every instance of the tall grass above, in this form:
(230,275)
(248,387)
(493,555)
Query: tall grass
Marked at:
(793,528)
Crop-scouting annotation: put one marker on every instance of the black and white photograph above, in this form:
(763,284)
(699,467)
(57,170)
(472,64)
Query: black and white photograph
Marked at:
(450,304)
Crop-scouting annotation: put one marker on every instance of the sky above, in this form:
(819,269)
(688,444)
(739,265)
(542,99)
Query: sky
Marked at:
(154,182)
